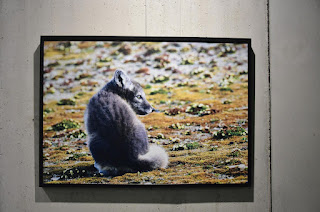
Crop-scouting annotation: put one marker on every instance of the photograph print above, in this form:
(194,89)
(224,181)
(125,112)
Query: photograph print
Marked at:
(144,111)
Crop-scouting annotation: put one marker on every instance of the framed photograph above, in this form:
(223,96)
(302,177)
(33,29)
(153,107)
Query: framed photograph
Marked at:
(146,111)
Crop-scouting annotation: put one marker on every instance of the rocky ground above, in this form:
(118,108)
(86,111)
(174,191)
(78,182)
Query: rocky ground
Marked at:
(202,93)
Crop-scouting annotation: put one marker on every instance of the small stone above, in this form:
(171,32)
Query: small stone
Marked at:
(144,70)
(125,49)
(242,167)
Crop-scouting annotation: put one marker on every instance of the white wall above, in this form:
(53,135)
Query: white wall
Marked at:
(22,23)
(295,75)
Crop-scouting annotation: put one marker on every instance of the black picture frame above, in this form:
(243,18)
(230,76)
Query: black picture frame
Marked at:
(251,85)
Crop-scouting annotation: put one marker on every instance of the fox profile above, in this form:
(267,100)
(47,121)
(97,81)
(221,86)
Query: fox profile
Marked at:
(118,140)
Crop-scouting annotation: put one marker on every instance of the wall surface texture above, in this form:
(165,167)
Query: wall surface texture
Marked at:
(23,22)
(295,75)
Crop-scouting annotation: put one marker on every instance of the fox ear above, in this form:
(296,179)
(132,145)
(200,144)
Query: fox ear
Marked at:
(122,80)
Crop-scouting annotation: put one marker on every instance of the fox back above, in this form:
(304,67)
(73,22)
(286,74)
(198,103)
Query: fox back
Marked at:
(118,140)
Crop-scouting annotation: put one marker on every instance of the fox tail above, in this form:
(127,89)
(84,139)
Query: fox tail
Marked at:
(155,158)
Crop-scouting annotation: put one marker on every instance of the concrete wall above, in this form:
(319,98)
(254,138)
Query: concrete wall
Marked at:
(22,23)
(295,75)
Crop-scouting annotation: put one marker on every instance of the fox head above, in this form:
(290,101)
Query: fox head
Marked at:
(132,92)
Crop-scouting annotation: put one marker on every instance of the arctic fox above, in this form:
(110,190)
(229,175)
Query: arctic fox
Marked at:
(118,140)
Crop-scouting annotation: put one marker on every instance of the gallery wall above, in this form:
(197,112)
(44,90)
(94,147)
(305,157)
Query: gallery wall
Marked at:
(23,22)
(295,74)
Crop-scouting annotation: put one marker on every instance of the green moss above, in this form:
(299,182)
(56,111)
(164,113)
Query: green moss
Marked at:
(115,53)
(174,140)
(173,111)
(160,79)
(185,49)
(226,102)
(193,145)
(185,146)
(182,84)
(176,126)
(206,75)
(207,166)
(77,134)
(214,148)
(213,120)
(76,156)
(125,49)
(83,76)
(51,90)
(243,72)
(179,147)
(199,109)
(115,43)
(151,51)
(158,91)
(172,50)
(79,172)
(79,95)
(235,153)
(188,132)
(223,134)
(197,71)
(67,102)
(226,49)
(160,136)
(53,64)
(228,80)
(188,61)
(233,162)
(160,65)
(105,60)
(204,129)
(48,110)
(226,89)
(78,63)
(65,124)
(148,86)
